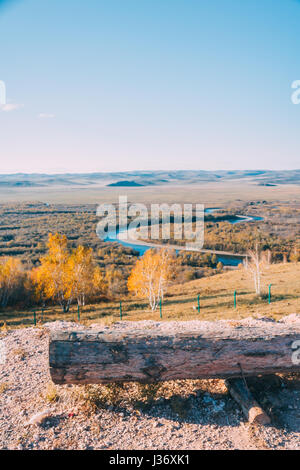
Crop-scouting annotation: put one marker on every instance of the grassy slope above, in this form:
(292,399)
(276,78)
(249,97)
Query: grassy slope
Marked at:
(217,293)
(216,300)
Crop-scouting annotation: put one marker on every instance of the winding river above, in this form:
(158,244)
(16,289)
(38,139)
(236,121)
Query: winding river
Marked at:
(227,258)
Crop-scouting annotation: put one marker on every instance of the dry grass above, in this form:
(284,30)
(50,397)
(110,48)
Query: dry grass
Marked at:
(148,392)
(138,397)
(88,398)
(3,387)
(19,353)
(216,301)
(51,394)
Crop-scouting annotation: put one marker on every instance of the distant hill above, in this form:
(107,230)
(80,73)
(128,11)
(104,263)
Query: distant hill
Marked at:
(16,184)
(125,183)
(145,178)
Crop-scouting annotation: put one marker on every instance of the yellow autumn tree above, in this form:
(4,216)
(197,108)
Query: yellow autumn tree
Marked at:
(53,277)
(151,275)
(114,280)
(64,276)
(37,280)
(80,274)
(11,278)
(99,283)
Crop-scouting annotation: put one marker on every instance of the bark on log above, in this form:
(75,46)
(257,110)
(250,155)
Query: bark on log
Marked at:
(251,409)
(151,351)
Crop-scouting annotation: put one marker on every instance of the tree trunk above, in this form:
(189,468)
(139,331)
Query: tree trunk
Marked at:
(152,351)
(240,392)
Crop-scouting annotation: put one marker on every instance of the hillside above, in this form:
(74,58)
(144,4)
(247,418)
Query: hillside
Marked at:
(216,293)
(126,183)
(186,414)
(216,300)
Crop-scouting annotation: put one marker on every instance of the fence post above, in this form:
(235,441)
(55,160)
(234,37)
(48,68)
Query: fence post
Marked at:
(42,315)
(235,299)
(121,310)
(34,318)
(78,313)
(160,309)
(270,285)
(198,303)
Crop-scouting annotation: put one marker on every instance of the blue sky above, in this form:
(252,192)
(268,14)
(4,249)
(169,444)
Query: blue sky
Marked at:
(149,84)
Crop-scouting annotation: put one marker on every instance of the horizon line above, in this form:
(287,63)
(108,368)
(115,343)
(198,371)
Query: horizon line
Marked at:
(141,171)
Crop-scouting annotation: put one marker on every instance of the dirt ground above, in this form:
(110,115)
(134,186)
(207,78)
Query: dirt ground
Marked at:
(35,414)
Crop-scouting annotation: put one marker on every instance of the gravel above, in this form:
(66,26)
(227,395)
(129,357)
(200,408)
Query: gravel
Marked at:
(35,414)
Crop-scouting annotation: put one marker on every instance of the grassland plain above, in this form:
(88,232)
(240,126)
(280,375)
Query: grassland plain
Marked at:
(208,193)
(216,301)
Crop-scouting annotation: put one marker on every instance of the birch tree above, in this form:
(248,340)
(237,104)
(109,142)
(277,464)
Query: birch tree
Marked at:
(151,275)
(52,277)
(65,276)
(80,272)
(255,264)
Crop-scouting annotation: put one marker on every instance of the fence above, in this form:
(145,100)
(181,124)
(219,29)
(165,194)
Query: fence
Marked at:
(77,313)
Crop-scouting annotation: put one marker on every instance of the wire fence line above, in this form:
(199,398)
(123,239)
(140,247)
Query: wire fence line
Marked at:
(77,314)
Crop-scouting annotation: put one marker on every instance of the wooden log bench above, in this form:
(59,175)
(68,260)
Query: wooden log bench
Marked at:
(158,351)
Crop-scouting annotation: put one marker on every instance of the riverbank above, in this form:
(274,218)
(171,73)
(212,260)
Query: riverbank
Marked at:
(141,246)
